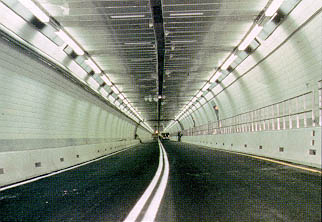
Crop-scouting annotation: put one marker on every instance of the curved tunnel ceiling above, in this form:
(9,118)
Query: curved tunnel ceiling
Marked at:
(122,37)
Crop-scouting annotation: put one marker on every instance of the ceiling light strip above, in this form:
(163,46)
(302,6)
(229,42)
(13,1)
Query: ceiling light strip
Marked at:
(270,11)
(126,16)
(273,7)
(187,14)
(92,64)
(250,37)
(68,40)
(35,10)
(93,83)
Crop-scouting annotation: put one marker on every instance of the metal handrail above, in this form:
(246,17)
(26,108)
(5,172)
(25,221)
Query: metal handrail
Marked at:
(280,111)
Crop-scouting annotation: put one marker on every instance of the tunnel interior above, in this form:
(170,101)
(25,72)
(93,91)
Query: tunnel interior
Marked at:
(85,81)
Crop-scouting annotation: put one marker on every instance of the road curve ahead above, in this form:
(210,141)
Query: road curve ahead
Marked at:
(208,185)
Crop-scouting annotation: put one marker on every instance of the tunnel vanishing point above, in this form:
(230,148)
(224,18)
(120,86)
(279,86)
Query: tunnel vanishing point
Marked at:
(231,82)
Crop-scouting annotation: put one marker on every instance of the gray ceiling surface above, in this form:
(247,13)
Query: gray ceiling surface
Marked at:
(120,36)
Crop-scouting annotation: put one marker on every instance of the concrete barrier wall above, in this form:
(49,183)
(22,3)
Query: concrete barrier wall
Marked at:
(301,146)
(47,122)
(21,165)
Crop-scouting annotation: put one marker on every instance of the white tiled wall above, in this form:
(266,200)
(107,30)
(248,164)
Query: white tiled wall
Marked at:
(287,64)
(40,111)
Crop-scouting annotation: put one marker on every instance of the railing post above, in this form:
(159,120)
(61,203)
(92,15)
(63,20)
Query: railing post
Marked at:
(273,117)
(290,121)
(313,108)
(284,113)
(278,116)
(260,118)
(252,121)
(255,120)
(320,101)
(304,108)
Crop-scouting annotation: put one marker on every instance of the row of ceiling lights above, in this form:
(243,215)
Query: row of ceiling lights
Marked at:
(97,79)
(203,94)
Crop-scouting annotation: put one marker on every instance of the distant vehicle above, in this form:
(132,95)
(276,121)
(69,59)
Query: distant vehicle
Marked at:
(165,136)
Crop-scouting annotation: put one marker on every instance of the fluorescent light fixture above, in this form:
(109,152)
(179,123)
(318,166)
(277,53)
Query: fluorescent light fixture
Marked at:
(115,90)
(91,63)
(111,98)
(194,99)
(199,94)
(126,16)
(206,87)
(126,102)
(117,103)
(187,14)
(273,7)
(137,43)
(209,96)
(229,61)
(215,77)
(93,84)
(35,10)
(103,92)
(250,37)
(70,42)
(106,80)
(183,41)
(121,96)
(141,59)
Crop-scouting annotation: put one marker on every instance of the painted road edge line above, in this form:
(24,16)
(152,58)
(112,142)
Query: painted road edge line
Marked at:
(136,210)
(60,171)
(269,160)
(153,208)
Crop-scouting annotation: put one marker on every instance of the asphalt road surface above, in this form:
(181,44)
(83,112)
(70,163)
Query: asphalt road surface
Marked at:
(207,185)
(203,185)
(105,190)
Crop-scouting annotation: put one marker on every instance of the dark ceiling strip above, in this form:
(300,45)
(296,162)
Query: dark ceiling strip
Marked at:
(156,8)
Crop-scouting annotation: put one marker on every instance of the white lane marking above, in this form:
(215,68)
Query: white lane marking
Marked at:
(153,208)
(136,210)
(284,163)
(60,171)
